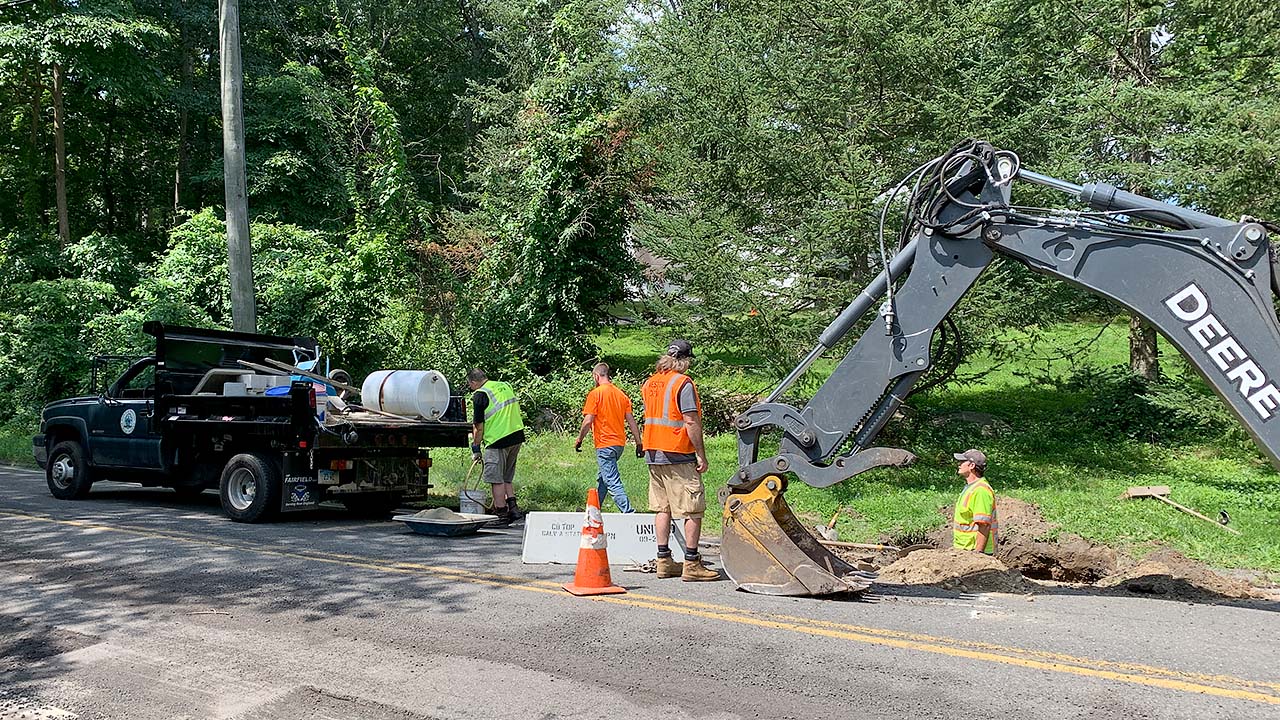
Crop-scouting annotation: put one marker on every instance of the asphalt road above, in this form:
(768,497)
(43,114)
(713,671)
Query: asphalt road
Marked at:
(132,604)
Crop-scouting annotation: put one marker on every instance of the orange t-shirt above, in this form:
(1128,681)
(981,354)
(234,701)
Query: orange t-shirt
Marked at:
(610,406)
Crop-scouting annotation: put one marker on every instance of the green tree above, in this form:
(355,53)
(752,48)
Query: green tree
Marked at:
(553,183)
(1173,100)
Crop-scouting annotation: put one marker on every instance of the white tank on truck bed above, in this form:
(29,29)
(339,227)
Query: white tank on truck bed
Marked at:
(413,393)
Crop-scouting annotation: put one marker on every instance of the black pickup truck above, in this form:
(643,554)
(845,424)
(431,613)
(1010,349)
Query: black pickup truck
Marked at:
(193,417)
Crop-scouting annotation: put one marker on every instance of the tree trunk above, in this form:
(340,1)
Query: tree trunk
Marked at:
(60,158)
(1144,360)
(104,172)
(33,205)
(239,250)
(184,114)
(475,45)
(205,140)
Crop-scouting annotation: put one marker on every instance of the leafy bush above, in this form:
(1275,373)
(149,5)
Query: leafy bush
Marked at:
(355,295)
(352,295)
(105,258)
(43,339)
(28,256)
(1118,402)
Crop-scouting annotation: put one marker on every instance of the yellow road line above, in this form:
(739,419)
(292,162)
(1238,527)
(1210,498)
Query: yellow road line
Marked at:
(1153,676)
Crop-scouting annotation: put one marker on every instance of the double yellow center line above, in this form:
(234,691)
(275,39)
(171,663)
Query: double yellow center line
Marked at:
(1224,686)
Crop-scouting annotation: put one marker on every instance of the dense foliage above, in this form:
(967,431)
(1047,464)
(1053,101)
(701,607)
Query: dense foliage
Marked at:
(491,181)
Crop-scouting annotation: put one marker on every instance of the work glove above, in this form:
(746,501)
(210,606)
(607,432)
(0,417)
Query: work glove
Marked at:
(475,453)
(639,449)
(577,447)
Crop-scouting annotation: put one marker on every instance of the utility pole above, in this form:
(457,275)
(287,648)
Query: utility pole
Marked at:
(244,313)
(60,147)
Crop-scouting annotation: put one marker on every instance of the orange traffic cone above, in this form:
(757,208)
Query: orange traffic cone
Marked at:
(592,576)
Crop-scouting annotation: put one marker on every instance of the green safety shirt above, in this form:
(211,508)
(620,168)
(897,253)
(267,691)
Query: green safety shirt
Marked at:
(977,505)
(502,416)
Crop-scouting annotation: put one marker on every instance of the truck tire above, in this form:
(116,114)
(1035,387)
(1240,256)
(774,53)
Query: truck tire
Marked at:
(250,488)
(67,473)
(374,505)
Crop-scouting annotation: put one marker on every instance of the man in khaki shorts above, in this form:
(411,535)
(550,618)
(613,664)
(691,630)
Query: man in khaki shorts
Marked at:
(677,458)
(498,431)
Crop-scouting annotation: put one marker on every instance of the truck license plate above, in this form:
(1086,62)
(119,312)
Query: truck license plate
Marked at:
(300,493)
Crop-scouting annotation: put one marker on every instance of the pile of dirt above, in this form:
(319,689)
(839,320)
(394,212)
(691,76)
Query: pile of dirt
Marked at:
(1172,575)
(954,570)
(440,513)
(1019,520)
(1025,545)
(1031,547)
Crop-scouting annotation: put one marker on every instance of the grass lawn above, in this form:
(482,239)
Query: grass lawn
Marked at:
(15,446)
(1074,476)
(1042,456)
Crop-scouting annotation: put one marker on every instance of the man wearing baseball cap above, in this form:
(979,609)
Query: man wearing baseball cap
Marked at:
(975,516)
(677,458)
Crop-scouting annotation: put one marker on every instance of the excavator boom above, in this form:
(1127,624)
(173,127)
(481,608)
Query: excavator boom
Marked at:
(1205,282)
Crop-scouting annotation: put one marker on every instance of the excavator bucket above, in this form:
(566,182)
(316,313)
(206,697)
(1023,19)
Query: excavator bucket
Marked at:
(766,549)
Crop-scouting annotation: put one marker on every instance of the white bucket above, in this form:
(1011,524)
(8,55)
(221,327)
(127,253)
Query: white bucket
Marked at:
(471,501)
(414,393)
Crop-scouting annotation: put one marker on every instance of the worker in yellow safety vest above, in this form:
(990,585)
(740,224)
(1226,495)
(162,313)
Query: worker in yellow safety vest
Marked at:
(497,433)
(676,458)
(975,516)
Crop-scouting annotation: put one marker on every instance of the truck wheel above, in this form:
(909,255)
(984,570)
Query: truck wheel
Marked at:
(250,488)
(66,471)
(374,505)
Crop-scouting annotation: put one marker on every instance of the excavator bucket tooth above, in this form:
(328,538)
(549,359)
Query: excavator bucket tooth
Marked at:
(766,549)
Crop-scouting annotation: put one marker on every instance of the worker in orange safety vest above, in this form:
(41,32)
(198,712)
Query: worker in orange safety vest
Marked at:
(676,458)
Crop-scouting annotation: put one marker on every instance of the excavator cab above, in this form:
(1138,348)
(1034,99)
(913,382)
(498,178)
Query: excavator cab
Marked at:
(1205,282)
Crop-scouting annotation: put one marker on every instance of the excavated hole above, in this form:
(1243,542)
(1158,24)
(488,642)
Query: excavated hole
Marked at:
(1051,565)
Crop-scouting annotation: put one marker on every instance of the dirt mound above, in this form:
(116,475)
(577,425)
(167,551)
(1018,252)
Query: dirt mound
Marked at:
(1172,575)
(954,570)
(440,514)
(1024,545)
(1019,520)
(1028,548)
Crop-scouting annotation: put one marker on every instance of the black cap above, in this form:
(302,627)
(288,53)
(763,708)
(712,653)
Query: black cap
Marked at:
(679,349)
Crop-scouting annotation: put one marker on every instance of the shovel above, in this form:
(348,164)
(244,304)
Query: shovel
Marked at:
(829,533)
(1161,493)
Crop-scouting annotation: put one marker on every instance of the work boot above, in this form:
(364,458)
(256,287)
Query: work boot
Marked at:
(514,510)
(503,518)
(668,568)
(695,571)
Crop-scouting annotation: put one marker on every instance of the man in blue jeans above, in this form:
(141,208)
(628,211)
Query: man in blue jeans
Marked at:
(606,415)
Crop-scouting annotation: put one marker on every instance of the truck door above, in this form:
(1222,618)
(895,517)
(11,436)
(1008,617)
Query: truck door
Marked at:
(123,431)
